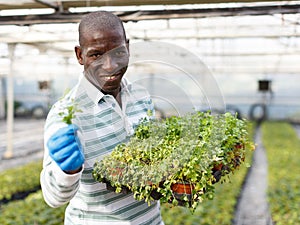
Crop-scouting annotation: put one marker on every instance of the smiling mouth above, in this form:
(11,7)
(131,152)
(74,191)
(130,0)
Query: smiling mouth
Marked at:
(108,78)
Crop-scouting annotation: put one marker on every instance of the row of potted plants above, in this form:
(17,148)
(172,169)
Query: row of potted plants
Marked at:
(178,159)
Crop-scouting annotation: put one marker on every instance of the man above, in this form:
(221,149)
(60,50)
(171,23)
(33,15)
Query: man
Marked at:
(107,109)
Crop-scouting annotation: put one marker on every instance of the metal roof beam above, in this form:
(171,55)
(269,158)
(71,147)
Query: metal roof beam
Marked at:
(54,6)
(137,15)
(7,4)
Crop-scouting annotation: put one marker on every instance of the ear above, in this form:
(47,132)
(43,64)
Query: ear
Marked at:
(78,52)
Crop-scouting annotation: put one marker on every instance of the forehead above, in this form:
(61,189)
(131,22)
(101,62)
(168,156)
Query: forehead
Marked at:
(103,38)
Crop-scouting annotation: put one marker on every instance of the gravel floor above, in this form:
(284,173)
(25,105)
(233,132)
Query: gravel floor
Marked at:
(297,129)
(252,208)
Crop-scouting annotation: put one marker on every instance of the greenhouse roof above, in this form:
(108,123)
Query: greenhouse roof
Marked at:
(254,36)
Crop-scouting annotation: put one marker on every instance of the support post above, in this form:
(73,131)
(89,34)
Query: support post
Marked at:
(2,101)
(10,103)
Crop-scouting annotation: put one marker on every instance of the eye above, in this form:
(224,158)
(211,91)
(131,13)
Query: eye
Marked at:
(95,55)
(120,53)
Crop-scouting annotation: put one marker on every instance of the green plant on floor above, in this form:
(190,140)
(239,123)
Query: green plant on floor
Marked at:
(20,179)
(30,211)
(282,147)
(178,150)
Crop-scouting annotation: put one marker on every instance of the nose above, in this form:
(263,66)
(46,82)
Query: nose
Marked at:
(109,64)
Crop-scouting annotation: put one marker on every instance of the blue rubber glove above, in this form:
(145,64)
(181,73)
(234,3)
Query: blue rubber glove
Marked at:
(65,149)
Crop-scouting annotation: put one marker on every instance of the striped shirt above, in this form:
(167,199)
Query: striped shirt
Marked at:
(103,124)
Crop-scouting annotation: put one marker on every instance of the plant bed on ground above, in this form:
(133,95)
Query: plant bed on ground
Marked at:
(30,211)
(18,182)
(283,152)
(195,150)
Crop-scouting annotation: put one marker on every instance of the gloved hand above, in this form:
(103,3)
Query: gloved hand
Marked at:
(65,149)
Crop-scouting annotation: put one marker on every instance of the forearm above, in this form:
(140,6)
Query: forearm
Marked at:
(58,187)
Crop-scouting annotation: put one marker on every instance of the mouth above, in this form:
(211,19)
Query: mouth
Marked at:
(111,77)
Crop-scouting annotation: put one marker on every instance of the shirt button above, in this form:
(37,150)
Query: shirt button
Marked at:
(113,105)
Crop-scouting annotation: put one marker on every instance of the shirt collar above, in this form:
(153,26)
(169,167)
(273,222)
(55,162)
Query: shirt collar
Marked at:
(125,85)
(93,93)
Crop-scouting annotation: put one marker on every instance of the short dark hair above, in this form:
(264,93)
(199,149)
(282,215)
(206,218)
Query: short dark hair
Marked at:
(99,20)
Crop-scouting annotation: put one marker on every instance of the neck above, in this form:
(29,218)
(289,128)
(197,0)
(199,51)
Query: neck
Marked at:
(116,94)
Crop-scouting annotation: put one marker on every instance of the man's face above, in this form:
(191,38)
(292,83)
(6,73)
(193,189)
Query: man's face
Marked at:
(104,55)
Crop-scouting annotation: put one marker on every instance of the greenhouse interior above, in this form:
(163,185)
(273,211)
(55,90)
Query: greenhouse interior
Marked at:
(215,57)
